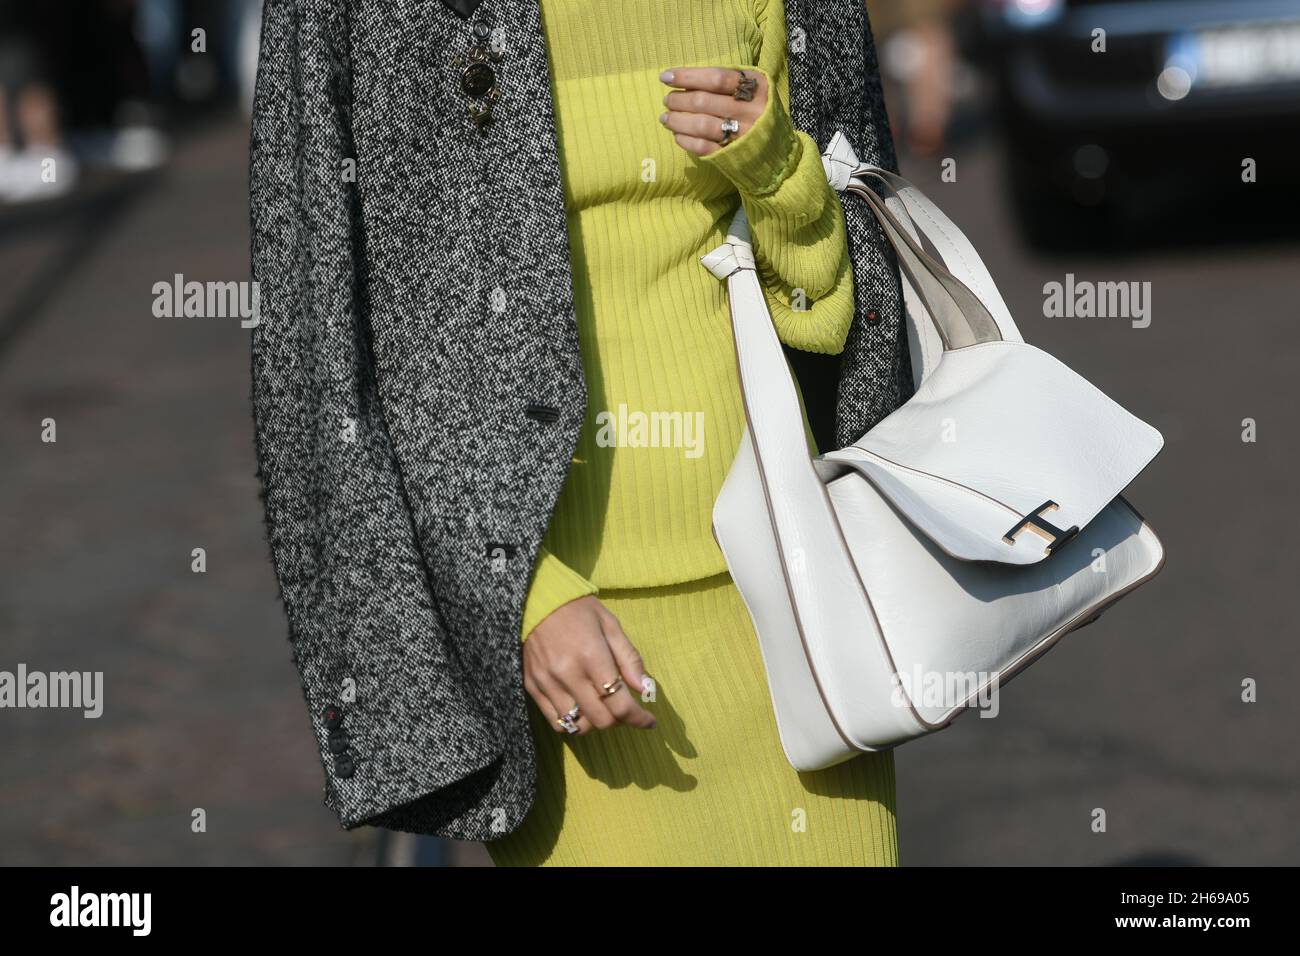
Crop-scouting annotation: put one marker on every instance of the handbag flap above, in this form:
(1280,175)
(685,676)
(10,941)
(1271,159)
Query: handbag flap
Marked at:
(1003,454)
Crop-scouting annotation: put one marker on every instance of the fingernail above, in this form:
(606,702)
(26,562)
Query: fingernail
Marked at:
(666,76)
(647,687)
(663,117)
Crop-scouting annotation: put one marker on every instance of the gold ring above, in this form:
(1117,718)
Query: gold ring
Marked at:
(611,687)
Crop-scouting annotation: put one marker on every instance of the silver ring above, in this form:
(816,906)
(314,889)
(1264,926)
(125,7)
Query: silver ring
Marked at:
(729,126)
(568,721)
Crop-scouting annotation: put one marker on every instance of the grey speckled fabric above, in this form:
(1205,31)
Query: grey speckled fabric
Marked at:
(417,386)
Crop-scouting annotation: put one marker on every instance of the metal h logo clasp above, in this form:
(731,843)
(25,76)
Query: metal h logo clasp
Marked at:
(1036,523)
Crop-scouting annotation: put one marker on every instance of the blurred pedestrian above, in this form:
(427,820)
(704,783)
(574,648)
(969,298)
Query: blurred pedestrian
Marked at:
(158,28)
(112,77)
(34,163)
(248,30)
(917,52)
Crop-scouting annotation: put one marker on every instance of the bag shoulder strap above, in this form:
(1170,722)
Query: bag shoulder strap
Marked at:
(954,250)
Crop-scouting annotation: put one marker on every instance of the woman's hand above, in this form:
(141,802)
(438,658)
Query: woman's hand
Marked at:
(568,656)
(696,111)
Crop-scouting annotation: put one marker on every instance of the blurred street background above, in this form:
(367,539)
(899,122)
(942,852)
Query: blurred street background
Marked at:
(1161,151)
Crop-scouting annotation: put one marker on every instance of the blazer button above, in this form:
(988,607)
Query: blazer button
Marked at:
(477,79)
(333,717)
(344,766)
(338,741)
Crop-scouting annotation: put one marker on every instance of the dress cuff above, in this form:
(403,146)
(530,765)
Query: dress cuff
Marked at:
(761,158)
(554,584)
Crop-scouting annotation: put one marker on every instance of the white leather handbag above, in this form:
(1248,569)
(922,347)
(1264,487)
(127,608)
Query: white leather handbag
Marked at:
(903,579)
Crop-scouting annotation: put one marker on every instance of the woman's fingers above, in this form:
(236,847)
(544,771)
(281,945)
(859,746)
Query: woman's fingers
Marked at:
(579,682)
(551,699)
(709,91)
(568,658)
(696,112)
(713,79)
(630,665)
(707,129)
(696,103)
(623,704)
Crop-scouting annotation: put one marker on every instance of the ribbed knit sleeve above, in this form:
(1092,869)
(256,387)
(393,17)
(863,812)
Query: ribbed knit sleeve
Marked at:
(796,222)
(554,584)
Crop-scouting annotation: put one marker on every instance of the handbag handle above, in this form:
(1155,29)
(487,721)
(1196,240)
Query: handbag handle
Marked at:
(958,314)
(954,250)
(903,198)
(927,223)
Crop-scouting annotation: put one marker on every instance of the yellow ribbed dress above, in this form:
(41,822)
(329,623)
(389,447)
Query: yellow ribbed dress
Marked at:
(709,785)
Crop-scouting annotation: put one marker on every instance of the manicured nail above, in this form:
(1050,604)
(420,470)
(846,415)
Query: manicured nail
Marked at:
(663,117)
(666,76)
(647,687)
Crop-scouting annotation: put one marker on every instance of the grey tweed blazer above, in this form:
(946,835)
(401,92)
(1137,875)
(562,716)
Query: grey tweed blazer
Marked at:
(417,386)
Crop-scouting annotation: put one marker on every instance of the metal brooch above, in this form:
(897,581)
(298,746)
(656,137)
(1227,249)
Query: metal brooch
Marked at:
(478,78)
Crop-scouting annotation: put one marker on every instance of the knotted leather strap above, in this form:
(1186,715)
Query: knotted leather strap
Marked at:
(958,314)
(924,222)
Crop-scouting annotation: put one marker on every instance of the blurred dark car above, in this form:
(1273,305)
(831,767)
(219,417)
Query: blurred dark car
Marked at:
(1185,92)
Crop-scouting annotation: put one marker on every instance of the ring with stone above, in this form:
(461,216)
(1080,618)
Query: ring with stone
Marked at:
(745,86)
(569,721)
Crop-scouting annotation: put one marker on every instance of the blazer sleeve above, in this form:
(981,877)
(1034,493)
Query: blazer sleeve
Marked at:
(355,589)
(796,220)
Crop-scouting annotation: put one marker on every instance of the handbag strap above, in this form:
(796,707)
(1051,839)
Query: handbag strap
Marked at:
(925,223)
(954,250)
(958,314)
(818,569)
